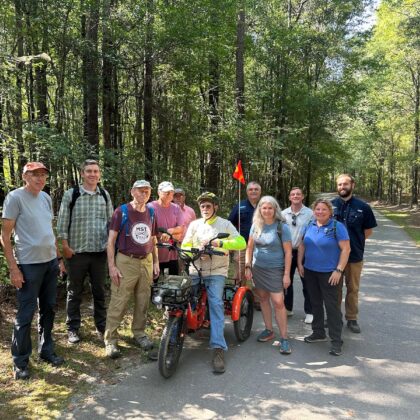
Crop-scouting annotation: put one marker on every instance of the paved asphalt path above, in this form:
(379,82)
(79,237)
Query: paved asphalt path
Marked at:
(377,377)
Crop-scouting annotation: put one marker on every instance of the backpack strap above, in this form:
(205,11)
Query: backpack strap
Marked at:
(124,223)
(152,214)
(280,230)
(103,193)
(74,196)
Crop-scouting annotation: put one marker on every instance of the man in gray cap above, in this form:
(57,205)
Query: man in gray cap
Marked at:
(168,216)
(188,212)
(132,232)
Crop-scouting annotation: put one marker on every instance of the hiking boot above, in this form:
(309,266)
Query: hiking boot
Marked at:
(144,343)
(111,351)
(336,350)
(52,359)
(218,361)
(309,318)
(21,373)
(285,346)
(315,338)
(153,354)
(266,335)
(353,326)
(73,337)
(289,313)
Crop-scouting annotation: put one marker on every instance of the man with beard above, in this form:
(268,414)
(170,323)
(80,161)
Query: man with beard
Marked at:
(359,219)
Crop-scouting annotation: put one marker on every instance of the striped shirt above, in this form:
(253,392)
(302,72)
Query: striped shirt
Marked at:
(90,217)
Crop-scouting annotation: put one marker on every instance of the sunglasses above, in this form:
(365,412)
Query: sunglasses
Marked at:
(294,217)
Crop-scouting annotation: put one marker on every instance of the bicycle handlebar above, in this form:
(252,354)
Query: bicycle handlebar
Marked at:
(185,254)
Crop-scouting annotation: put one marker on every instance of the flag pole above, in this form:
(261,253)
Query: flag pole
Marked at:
(239,175)
(239,229)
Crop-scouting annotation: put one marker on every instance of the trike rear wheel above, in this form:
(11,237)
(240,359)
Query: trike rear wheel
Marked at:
(171,346)
(243,325)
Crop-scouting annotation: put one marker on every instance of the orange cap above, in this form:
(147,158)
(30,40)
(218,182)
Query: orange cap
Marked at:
(33,166)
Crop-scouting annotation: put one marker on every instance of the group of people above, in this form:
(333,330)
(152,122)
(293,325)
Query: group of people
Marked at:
(325,244)
(269,245)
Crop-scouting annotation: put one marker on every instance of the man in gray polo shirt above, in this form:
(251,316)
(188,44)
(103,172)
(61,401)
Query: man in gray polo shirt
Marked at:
(34,265)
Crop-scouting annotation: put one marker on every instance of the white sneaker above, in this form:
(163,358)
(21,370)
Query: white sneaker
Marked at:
(289,313)
(111,351)
(309,318)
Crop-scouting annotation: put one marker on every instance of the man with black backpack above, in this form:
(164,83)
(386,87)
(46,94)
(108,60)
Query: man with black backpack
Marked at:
(82,227)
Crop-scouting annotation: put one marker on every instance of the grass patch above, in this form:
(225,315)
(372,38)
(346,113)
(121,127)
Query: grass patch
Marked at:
(52,390)
(408,219)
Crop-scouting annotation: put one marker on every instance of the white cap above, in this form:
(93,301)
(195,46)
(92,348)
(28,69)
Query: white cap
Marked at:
(166,186)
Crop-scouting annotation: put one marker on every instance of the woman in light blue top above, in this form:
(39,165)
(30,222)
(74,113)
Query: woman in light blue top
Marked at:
(267,261)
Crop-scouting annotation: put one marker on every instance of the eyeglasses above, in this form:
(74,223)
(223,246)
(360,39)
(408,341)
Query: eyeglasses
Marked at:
(294,217)
(39,174)
(206,206)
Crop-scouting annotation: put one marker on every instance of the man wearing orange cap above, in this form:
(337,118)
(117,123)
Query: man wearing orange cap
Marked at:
(34,265)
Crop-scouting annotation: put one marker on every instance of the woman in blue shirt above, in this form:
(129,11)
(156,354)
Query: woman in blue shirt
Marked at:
(325,249)
(269,253)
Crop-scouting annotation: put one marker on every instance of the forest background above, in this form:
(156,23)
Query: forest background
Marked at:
(299,90)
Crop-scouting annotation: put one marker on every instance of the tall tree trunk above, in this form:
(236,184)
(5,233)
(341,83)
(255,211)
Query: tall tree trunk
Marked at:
(148,92)
(90,23)
(108,69)
(19,82)
(138,133)
(41,85)
(214,156)
(240,76)
(415,165)
(2,174)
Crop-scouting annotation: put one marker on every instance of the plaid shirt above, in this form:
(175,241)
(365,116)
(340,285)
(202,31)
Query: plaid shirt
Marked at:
(90,217)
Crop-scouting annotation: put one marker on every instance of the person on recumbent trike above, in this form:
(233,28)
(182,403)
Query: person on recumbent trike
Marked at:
(214,269)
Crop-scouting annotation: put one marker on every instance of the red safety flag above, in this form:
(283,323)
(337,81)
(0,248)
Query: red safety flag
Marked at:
(238,174)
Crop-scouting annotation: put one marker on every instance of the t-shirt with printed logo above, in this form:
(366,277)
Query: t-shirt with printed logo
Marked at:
(136,237)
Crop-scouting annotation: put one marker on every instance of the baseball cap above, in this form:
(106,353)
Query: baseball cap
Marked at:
(166,186)
(141,183)
(33,166)
(179,191)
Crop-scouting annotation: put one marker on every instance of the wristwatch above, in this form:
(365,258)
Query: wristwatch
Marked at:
(339,270)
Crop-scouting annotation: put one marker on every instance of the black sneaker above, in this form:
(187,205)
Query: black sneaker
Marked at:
(21,373)
(353,326)
(315,338)
(52,359)
(336,350)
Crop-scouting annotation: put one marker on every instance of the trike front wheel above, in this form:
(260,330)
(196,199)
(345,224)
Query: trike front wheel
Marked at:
(171,346)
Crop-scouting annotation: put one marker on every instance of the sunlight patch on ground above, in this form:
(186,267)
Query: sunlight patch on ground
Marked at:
(197,412)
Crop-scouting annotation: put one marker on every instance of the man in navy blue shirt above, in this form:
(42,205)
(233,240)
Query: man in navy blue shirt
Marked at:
(359,219)
(241,217)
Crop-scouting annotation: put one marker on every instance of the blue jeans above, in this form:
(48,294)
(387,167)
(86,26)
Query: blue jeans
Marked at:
(40,287)
(215,286)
